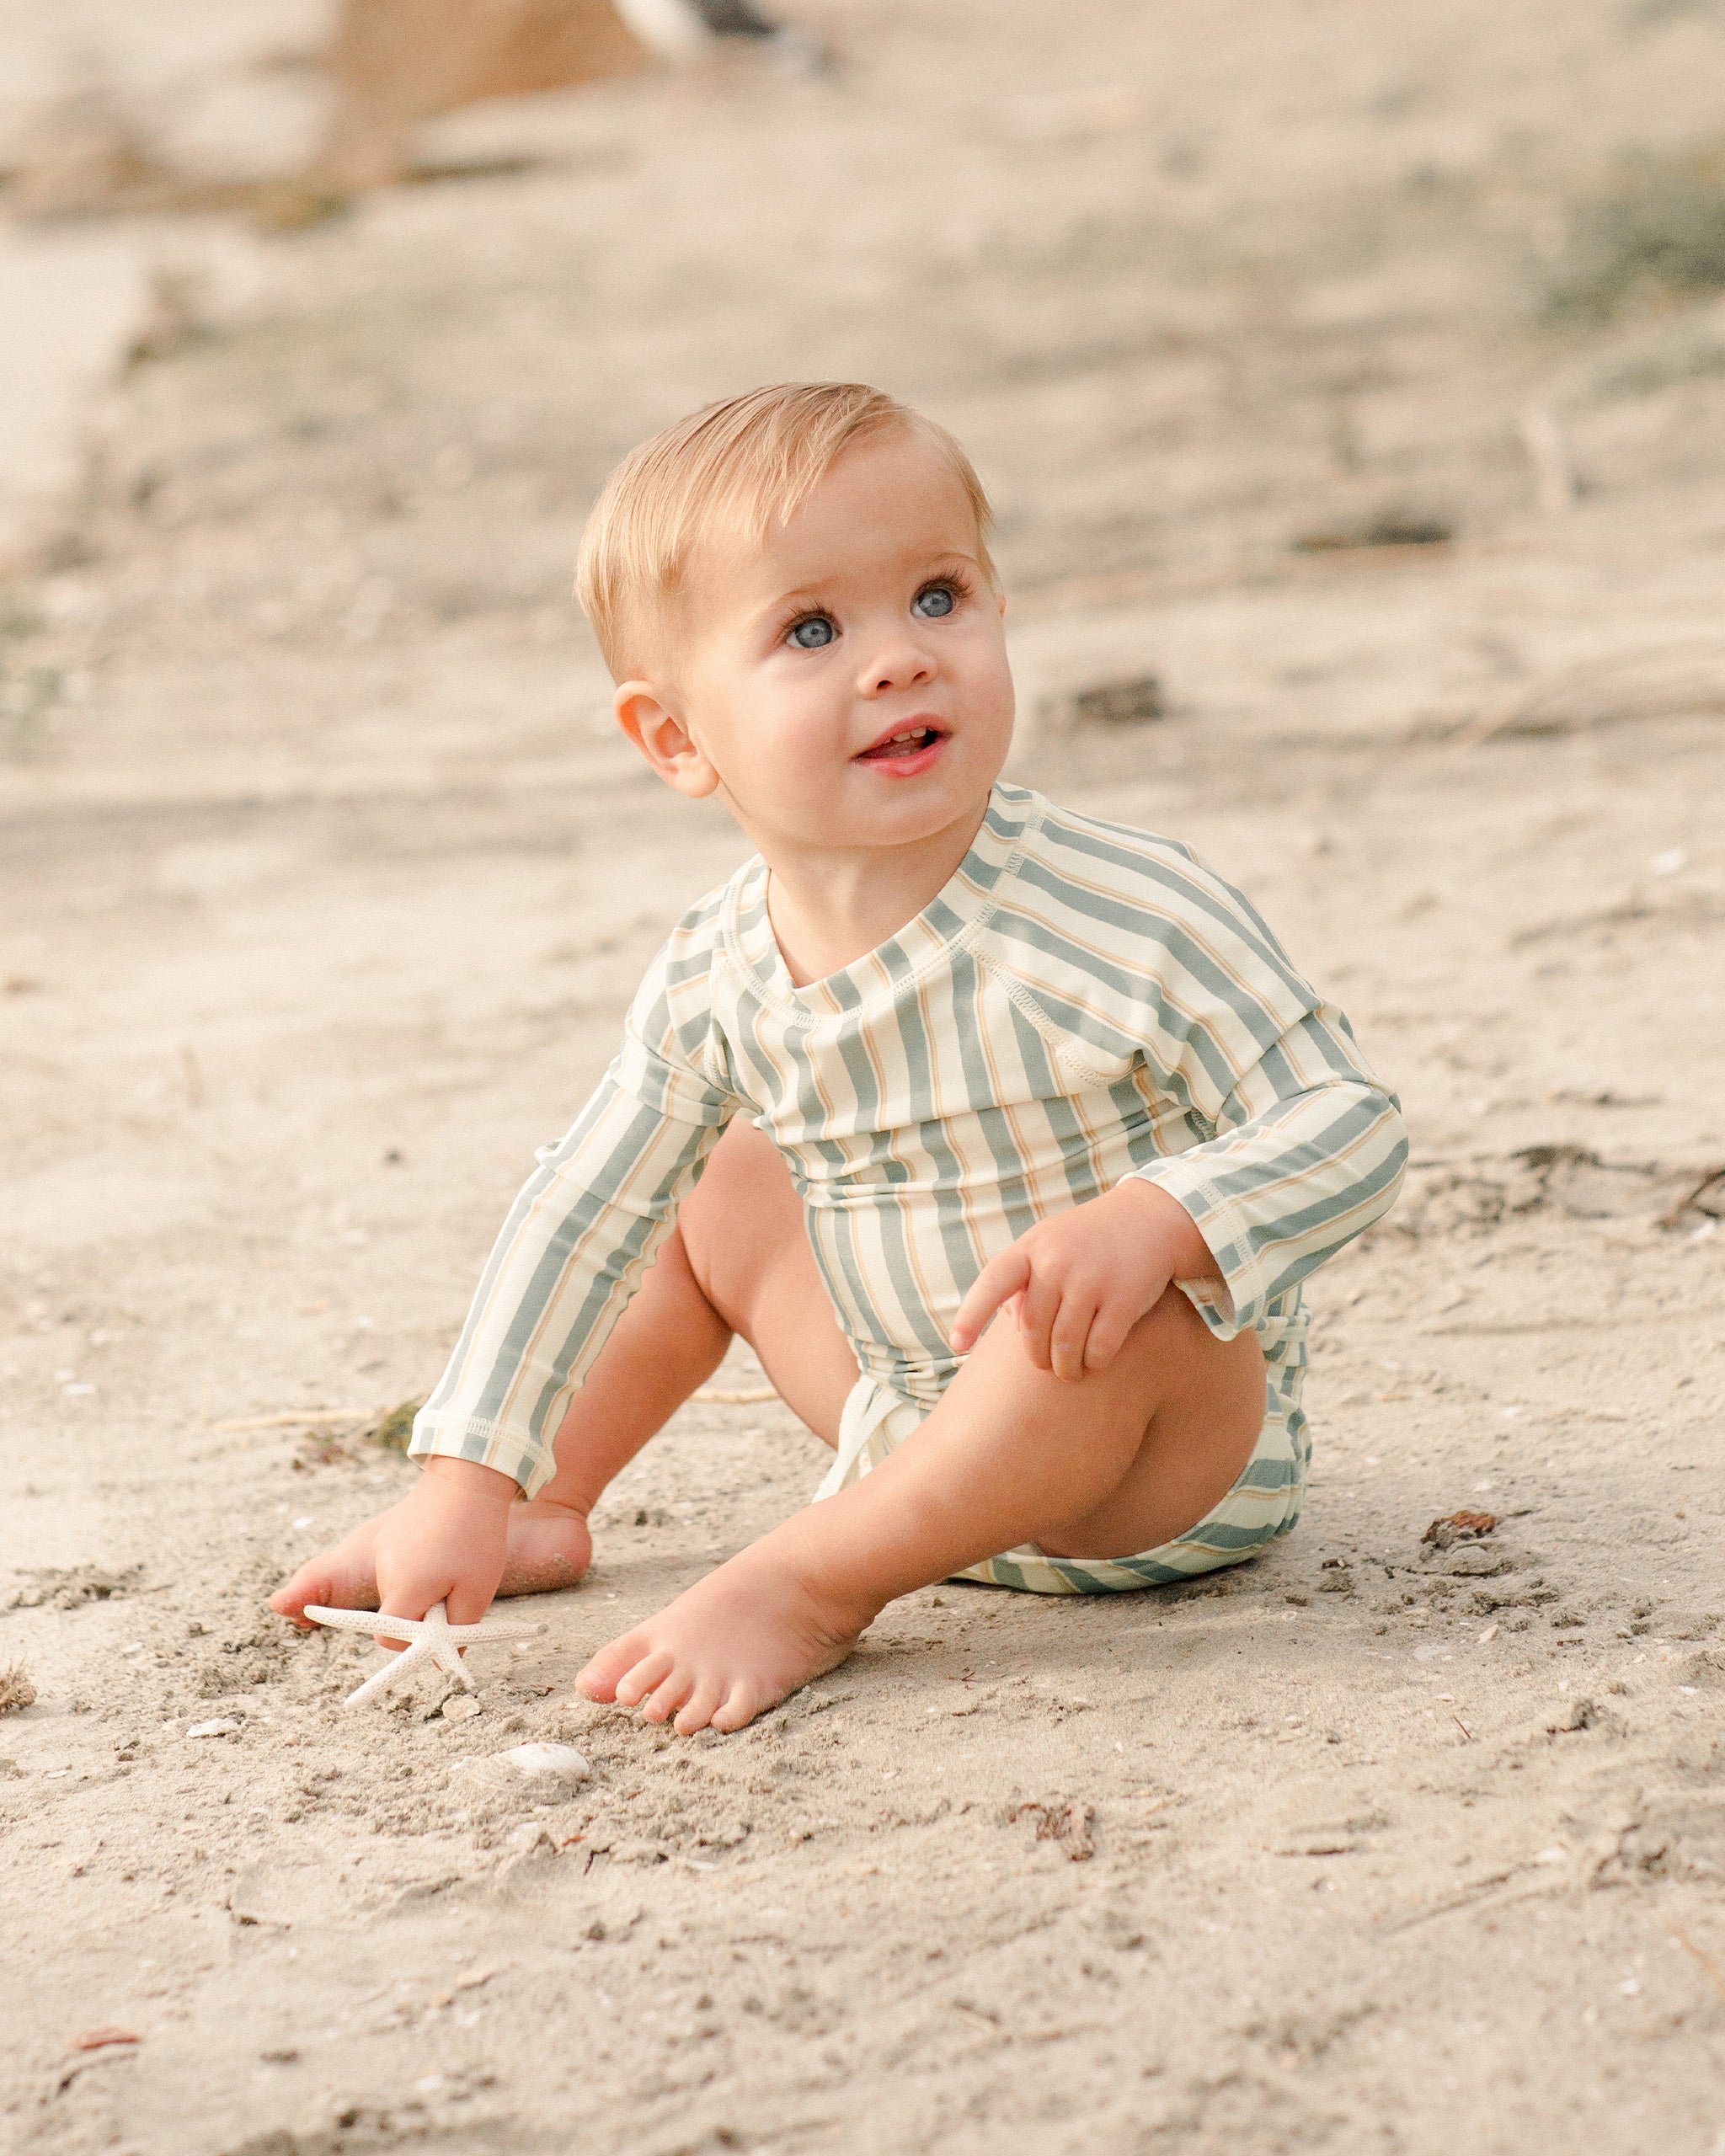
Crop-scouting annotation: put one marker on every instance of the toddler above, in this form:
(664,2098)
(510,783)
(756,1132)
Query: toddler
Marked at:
(1005,1136)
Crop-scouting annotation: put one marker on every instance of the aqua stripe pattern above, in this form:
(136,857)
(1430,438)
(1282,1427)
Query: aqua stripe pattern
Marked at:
(1082,1002)
(1264,1504)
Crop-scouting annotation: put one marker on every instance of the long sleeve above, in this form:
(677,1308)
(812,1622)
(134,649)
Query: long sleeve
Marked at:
(1309,1151)
(1268,1124)
(581,1236)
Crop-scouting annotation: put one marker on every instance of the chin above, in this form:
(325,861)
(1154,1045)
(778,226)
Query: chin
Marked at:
(921,815)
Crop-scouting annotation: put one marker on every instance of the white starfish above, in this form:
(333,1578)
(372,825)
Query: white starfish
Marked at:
(431,1638)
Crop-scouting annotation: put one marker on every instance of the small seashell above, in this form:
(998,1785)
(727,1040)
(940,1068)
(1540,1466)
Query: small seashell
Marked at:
(215,1729)
(540,1772)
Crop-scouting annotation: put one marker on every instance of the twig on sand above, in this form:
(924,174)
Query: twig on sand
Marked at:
(1405,1919)
(1700,1954)
(976,2014)
(1553,477)
(735,1396)
(300,1418)
(1711,1183)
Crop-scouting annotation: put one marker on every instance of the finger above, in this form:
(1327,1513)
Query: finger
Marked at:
(399,1597)
(414,1609)
(1071,1329)
(1108,1335)
(996,1282)
(466,1602)
(1036,1312)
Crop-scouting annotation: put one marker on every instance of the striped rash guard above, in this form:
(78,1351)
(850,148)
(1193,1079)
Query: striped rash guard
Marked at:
(1082,1002)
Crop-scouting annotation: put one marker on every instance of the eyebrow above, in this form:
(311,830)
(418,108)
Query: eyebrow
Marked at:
(809,595)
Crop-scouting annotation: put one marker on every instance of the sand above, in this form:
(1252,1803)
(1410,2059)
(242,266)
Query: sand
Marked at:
(325,884)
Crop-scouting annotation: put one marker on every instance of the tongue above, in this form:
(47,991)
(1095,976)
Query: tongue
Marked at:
(897,748)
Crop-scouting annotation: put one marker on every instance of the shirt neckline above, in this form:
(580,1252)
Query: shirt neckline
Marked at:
(955,913)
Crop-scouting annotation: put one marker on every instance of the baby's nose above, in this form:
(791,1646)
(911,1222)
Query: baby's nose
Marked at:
(896,668)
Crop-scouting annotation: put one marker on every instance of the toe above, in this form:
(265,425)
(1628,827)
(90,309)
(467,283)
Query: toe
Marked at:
(698,1711)
(647,1676)
(737,1709)
(668,1696)
(600,1679)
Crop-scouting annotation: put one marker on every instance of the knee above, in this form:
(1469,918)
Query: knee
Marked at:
(740,1219)
(1173,1338)
(1171,1325)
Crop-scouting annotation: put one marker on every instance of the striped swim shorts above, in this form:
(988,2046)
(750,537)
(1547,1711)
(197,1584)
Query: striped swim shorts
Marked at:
(1263,1503)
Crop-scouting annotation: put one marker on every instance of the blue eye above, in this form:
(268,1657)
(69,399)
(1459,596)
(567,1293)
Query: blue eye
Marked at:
(935,603)
(813,632)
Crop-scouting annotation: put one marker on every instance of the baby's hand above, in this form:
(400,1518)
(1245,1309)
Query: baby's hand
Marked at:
(445,1542)
(1081,1280)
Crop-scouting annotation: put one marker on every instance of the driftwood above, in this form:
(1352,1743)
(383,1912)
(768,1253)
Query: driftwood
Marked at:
(1675,681)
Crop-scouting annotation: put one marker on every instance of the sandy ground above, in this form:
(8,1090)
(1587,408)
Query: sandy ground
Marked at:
(324,887)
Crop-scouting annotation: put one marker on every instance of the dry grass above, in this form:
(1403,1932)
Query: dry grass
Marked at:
(395,1430)
(16,1689)
(1658,230)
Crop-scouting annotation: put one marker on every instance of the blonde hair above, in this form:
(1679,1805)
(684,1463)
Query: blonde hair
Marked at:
(748,463)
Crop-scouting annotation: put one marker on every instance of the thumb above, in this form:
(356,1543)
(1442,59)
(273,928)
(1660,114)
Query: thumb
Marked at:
(996,1283)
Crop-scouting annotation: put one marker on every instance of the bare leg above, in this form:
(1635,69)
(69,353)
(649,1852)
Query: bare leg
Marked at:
(739,1262)
(1120,1461)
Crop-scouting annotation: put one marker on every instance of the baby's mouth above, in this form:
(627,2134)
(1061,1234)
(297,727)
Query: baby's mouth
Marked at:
(904,741)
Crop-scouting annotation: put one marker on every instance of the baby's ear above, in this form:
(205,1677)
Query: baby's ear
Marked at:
(657,732)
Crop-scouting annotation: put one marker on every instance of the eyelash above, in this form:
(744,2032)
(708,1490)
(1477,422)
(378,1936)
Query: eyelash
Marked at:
(959,586)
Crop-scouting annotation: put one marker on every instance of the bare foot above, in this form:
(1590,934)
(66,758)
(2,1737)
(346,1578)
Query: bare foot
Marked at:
(737,1643)
(549,1547)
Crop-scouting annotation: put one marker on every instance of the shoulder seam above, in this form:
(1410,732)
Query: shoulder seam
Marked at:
(1024,1000)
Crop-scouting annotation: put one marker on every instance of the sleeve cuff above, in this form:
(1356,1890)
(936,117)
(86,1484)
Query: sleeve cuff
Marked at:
(487,1446)
(1237,1304)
